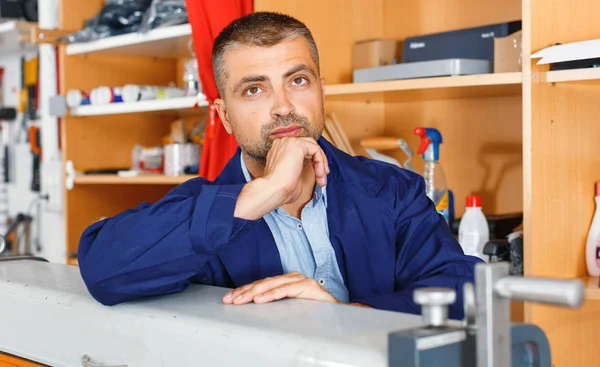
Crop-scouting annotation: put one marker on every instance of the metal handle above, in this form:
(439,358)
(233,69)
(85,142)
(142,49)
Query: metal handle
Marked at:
(434,304)
(568,293)
(86,361)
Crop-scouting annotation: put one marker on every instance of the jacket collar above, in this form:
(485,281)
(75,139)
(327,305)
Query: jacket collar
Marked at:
(343,169)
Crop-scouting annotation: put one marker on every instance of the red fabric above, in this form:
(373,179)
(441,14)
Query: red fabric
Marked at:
(208,18)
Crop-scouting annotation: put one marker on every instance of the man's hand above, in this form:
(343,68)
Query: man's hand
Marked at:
(282,181)
(285,163)
(291,285)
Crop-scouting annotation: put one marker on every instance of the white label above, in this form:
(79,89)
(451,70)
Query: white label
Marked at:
(488,35)
(441,340)
(415,45)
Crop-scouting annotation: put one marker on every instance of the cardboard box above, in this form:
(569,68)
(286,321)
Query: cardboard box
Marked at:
(507,53)
(375,52)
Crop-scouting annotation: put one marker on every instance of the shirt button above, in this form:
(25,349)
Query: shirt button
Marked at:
(322,281)
(299,226)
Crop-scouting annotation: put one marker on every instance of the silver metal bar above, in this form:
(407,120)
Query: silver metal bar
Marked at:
(493,317)
(568,293)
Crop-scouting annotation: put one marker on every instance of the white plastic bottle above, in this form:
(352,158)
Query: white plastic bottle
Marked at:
(592,246)
(473,231)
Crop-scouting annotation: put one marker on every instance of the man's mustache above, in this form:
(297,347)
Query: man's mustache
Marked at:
(283,121)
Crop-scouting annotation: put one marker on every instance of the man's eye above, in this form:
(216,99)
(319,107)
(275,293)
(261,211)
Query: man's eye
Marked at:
(300,80)
(252,91)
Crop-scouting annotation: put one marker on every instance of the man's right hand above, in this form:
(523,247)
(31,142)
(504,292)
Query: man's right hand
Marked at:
(282,180)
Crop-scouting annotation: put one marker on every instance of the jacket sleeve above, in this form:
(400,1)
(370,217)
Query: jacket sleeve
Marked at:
(428,255)
(158,248)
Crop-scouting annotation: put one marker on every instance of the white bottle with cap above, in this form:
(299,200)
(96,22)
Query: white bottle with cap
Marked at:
(473,231)
(592,247)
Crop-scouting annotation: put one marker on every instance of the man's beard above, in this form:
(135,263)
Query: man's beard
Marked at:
(258,151)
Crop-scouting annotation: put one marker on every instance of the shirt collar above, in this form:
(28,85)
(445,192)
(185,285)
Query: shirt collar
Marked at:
(320,192)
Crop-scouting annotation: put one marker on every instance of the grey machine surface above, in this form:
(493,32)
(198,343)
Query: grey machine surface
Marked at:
(49,317)
(423,69)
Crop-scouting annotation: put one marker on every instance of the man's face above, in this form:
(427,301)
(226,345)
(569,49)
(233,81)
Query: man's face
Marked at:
(271,93)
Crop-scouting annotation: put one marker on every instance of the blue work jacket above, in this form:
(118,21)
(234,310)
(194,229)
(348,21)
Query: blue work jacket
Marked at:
(387,236)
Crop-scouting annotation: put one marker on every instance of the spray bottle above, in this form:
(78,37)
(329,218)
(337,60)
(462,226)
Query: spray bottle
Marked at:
(435,179)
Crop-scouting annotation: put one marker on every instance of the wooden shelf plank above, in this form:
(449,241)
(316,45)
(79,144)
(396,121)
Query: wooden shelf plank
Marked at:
(592,288)
(135,107)
(573,75)
(11,34)
(481,80)
(169,42)
(144,179)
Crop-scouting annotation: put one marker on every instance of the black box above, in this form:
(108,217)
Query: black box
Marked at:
(469,43)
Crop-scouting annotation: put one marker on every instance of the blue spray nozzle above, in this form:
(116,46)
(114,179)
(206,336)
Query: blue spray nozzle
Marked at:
(430,143)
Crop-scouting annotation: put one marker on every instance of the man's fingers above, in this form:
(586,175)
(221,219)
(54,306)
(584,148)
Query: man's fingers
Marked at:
(229,297)
(304,289)
(289,290)
(313,151)
(247,294)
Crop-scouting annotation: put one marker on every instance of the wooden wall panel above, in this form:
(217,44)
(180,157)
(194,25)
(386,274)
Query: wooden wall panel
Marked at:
(107,141)
(89,203)
(409,18)
(562,21)
(72,13)
(565,165)
(572,333)
(482,149)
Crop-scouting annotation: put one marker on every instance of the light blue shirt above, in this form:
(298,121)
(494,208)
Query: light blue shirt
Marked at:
(304,244)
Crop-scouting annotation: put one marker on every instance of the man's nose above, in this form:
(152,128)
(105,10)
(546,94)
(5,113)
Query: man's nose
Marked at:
(282,105)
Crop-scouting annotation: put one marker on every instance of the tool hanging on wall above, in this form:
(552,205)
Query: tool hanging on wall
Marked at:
(36,150)
(28,97)
(7,115)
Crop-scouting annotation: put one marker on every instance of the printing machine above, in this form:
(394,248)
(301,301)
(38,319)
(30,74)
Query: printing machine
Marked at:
(48,317)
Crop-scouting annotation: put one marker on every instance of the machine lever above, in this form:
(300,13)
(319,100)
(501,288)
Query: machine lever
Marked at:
(567,293)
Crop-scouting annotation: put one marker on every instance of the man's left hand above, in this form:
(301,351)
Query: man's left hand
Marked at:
(291,285)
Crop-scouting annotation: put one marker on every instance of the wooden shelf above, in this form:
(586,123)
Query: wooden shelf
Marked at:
(574,75)
(168,42)
(136,107)
(12,34)
(489,81)
(144,179)
(592,290)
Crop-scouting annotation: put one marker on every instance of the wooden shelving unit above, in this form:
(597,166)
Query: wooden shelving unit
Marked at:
(171,42)
(494,83)
(97,137)
(174,104)
(144,179)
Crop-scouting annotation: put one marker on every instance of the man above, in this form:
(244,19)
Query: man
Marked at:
(290,216)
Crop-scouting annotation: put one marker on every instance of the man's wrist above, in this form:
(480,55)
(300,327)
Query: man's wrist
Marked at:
(257,198)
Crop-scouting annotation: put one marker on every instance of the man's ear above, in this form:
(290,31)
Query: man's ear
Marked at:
(323,82)
(223,115)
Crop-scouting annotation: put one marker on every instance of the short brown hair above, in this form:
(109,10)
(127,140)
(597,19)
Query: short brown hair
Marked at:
(262,29)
